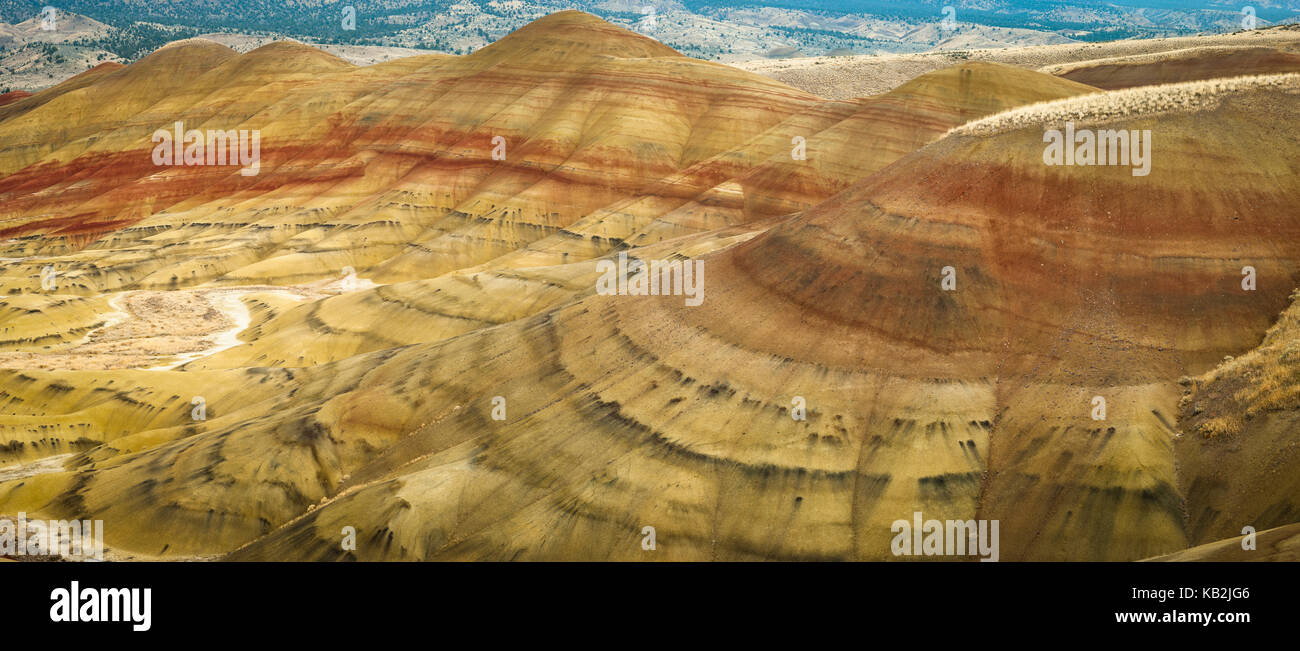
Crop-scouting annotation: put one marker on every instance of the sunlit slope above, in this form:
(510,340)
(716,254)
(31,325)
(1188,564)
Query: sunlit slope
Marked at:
(84,79)
(99,100)
(37,322)
(1192,64)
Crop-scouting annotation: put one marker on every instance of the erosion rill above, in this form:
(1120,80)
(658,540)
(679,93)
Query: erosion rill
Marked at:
(394,323)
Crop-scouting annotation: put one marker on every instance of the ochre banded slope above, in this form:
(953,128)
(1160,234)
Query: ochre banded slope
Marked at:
(1073,282)
(374,409)
(611,141)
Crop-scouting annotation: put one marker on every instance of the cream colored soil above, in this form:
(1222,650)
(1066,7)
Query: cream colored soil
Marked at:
(33,468)
(161,330)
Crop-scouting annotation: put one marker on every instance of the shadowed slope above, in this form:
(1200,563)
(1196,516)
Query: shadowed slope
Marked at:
(1240,460)
(1281,544)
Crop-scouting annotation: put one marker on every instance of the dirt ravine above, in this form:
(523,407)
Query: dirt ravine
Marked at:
(162,330)
(33,468)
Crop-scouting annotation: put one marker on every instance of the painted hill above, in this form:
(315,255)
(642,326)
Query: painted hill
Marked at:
(1150,60)
(394,325)
(1193,64)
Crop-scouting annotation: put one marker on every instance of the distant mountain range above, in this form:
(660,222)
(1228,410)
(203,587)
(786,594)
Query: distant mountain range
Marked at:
(725,30)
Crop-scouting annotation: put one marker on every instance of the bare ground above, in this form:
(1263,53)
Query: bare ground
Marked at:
(158,330)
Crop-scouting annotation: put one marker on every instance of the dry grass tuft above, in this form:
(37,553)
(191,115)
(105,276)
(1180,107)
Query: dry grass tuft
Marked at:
(1060,69)
(1266,379)
(1127,103)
